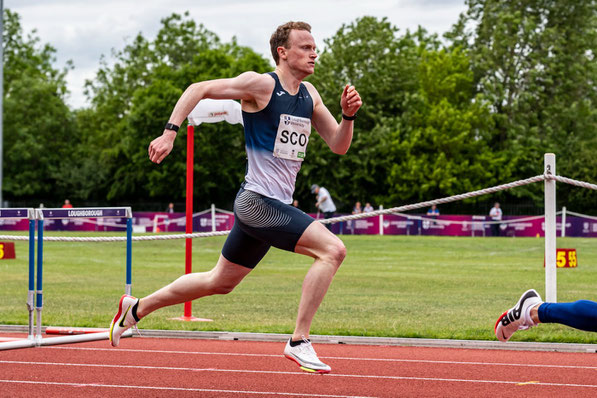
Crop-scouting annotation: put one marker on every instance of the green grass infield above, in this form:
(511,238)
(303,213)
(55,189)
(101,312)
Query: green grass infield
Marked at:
(390,286)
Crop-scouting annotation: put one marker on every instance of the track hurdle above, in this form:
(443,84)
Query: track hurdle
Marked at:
(30,215)
(86,212)
(20,214)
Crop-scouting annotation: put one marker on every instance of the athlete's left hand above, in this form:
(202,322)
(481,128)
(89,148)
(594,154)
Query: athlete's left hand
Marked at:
(350,100)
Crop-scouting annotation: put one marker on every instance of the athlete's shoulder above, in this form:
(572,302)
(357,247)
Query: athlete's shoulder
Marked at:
(313,91)
(252,77)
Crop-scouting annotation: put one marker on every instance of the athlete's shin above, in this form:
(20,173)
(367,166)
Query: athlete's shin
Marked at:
(315,286)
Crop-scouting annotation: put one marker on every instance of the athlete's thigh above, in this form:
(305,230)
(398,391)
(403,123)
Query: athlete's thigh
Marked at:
(270,220)
(243,249)
(317,241)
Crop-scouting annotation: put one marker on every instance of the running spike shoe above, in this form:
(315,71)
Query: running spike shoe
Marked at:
(306,358)
(123,320)
(517,317)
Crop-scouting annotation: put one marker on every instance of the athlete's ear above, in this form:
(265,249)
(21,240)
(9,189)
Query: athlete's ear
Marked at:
(281,52)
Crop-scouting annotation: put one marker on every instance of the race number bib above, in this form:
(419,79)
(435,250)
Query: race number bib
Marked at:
(292,138)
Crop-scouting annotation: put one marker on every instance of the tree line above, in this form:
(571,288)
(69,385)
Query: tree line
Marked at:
(477,107)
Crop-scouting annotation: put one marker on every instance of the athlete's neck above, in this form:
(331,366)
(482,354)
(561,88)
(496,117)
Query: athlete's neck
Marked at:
(288,80)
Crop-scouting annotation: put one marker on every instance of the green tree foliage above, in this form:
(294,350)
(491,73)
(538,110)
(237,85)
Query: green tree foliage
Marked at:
(38,126)
(534,61)
(133,98)
(441,143)
(371,55)
(514,80)
(420,125)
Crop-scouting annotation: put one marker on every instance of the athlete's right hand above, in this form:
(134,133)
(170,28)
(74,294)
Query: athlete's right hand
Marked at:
(161,146)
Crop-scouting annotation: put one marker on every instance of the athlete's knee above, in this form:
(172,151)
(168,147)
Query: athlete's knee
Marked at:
(335,253)
(222,286)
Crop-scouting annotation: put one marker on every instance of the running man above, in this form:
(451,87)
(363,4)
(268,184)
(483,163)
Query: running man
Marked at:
(278,110)
(530,310)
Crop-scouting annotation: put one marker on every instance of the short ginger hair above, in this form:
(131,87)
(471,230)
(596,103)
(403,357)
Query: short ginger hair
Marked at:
(280,36)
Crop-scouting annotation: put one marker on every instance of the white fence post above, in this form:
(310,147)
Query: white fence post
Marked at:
(381,221)
(551,292)
(213,217)
(563,221)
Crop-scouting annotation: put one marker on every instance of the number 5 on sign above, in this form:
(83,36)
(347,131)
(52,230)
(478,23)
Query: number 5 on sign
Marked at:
(565,258)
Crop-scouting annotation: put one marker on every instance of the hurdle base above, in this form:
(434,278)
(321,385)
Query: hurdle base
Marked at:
(73,330)
(191,318)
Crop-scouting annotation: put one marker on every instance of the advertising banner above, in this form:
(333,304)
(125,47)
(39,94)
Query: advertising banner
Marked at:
(392,224)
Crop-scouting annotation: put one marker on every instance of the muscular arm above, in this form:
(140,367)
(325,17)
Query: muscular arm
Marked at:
(250,87)
(337,136)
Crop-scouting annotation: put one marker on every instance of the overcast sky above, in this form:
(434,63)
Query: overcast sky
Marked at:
(82,30)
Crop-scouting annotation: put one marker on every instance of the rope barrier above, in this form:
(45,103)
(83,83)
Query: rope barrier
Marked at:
(570,181)
(394,210)
(436,201)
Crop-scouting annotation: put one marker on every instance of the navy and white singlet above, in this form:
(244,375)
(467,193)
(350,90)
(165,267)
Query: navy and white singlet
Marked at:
(267,174)
(276,139)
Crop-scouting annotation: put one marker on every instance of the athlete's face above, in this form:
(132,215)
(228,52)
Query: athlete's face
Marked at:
(301,53)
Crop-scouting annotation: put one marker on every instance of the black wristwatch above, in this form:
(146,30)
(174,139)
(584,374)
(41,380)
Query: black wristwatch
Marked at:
(170,126)
(346,117)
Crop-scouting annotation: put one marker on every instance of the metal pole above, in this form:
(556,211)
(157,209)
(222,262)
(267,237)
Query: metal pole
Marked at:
(563,221)
(381,221)
(213,217)
(31,294)
(550,230)
(40,262)
(129,256)
(1,94)
(188,312)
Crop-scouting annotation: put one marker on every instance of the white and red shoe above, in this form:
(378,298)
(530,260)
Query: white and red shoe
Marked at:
(304,355)
(517,317)
(123,320)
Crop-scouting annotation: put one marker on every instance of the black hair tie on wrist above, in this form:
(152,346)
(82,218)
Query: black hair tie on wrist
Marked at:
(346,117)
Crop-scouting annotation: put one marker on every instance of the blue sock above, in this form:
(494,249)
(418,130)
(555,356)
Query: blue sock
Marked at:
(581,314)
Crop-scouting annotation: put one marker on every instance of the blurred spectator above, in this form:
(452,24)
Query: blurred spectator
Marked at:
(357,209)
(324,202)
(170,208)
(295,203)
(433,211)
(496,215)
(368,208)
(62,224)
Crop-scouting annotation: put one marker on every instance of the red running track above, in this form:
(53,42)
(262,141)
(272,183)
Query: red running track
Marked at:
(151,367)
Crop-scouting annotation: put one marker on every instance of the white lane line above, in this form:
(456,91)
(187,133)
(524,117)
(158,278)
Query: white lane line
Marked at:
(263,393)
(275,372)
(333,358)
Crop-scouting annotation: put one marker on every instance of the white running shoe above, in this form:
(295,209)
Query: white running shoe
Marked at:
(123,320)
(306,358)
(517,317)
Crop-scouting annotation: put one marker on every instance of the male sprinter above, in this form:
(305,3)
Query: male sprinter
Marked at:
(278,110)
